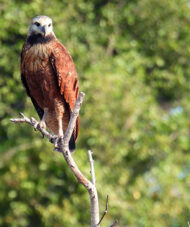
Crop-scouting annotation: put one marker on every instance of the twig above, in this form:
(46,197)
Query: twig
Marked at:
(188,224)
(94,200)
(114,224)
(105,211)
(92,167)
(33,122)
(63,146)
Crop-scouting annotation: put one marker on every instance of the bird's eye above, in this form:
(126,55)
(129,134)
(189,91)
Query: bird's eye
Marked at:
(37,24)
(49,25)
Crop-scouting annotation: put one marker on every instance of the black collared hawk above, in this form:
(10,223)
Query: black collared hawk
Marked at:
(50,78)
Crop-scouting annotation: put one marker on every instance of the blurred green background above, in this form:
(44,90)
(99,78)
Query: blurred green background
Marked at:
(132,59)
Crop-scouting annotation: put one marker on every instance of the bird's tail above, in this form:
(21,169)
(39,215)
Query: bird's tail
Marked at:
(72,143)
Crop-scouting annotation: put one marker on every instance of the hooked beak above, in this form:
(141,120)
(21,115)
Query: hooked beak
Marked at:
(43,29)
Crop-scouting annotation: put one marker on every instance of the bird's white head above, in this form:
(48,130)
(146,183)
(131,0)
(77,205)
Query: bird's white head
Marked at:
(41,25)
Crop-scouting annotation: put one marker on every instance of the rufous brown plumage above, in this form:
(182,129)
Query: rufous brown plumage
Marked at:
(49,76)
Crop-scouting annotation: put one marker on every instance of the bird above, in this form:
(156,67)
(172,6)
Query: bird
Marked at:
(50,79)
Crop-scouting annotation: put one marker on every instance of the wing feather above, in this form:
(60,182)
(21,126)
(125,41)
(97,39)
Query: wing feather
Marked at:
(66,76)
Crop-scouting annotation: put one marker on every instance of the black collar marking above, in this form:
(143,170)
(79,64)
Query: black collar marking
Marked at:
(37,38)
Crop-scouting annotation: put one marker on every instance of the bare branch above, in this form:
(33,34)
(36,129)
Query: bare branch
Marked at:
(33,122)
(94,200)
(105,211)
(73,118)
(64,149)
(92,167)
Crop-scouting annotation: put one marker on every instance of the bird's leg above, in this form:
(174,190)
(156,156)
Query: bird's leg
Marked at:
(42,122)
(60,133)
(60,128)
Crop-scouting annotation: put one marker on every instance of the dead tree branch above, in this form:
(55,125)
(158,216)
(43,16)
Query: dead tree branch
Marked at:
(33,122)
(94,199)
(105,211)
(63,146)
(92,167)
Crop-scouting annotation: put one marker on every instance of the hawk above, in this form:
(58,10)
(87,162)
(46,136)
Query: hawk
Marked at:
(49,76)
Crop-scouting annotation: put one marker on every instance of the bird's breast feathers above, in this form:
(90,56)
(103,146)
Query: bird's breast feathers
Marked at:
(37,58)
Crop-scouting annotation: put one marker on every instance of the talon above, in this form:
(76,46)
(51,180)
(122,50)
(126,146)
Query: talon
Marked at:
(35,126)
(56,142)
(56,149)
(42,124)
(53,138)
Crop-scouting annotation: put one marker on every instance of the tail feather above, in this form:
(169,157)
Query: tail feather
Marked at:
(72,143)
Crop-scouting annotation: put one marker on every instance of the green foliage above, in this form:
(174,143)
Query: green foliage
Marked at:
(132,58)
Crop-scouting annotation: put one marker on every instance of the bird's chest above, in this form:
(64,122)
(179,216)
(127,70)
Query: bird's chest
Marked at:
(36,60)
(39,72)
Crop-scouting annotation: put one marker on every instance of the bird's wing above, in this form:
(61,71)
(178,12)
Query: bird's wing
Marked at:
(23,72)
(66,76)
